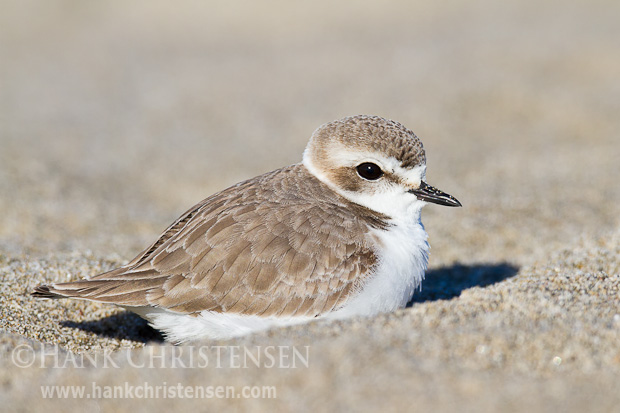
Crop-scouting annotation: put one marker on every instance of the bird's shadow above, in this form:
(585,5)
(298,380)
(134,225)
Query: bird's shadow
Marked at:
(448,282)
(442,283)
(125,325)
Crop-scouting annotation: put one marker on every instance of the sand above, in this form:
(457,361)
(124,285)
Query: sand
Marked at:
(117,117)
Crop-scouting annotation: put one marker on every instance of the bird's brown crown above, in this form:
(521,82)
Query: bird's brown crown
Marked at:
(363,133)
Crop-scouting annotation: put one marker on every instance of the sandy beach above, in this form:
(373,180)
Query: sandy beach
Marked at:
(116,117)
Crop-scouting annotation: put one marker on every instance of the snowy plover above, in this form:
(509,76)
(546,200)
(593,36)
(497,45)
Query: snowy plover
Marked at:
(334,236)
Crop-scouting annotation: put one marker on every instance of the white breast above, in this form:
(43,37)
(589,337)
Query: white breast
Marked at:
(403,256)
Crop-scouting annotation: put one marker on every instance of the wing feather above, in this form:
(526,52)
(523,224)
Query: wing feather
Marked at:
(264,247)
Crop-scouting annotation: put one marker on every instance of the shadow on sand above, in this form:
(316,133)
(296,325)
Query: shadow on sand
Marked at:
(126,325)
(445,283)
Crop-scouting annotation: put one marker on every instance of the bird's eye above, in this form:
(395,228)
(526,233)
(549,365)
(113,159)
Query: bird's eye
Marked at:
(370,171)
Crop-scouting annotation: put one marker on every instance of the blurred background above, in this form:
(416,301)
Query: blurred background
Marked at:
(116,116)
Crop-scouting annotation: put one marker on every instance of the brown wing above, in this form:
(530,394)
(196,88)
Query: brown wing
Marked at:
(280,244)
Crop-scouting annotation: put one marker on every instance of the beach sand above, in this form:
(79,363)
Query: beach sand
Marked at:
(115,118)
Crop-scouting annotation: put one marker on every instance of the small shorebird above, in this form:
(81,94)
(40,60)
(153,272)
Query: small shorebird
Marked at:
(335,236)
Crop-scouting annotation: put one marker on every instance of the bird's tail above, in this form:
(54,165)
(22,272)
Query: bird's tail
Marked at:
(46,291)
(84,289)
(116,287)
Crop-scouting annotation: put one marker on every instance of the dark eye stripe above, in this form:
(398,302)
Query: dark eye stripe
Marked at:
(370,171)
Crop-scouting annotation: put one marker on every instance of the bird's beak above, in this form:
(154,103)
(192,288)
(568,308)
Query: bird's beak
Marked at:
(429,194)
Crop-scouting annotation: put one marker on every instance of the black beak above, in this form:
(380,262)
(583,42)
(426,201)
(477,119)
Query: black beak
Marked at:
(429,194)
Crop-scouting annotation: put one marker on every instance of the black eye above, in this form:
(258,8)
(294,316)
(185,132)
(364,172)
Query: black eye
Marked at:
(369,171)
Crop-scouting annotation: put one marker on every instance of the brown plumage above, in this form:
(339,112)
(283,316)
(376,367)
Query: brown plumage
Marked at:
(281,244)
